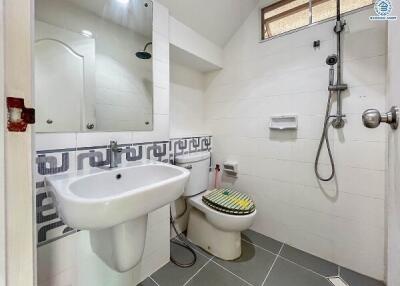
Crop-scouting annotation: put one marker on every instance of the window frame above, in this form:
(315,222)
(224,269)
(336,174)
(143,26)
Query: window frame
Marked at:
(310,5)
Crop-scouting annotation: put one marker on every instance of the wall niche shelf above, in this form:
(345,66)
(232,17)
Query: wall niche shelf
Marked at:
(283,122)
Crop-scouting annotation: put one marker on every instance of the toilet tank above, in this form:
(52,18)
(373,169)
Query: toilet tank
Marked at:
(198,164)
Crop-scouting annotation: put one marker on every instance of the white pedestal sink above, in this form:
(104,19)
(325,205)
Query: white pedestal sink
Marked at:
(113,204)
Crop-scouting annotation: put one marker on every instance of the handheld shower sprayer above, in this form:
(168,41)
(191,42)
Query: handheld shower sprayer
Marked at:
(331,75)
(331,61)
(334,88)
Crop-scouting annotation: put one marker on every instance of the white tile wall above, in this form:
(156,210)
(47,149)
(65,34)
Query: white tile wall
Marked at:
(186,39)
(187,102)
(187,115)
(69,261)
(393,179)
(342,222)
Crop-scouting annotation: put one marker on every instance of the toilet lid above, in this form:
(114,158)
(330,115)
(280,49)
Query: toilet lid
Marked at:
(229,201)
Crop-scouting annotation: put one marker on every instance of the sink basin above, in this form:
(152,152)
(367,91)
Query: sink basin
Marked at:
(103,198)
(113,205)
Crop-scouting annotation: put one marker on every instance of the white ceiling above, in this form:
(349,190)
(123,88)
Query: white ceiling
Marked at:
(133,15)
(217,20)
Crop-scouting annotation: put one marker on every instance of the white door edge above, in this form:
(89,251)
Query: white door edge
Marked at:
(17,17)
(2,170)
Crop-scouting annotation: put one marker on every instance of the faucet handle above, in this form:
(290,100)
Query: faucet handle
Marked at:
(114,147)
(113,144)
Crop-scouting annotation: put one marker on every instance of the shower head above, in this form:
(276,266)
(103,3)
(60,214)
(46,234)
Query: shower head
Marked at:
(332,60)
(143,55)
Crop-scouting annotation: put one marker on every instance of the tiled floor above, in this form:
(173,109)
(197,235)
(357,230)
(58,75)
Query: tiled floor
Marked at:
(264,261)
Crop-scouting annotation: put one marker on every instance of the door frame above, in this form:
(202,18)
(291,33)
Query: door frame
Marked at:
(2,171)
(20,246)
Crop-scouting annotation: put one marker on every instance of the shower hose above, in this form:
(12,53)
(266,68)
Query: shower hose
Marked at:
(325,138)
(182,241)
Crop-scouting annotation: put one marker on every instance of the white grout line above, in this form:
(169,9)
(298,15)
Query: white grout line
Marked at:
(154,281)
(250,242)
(226,269)
(305,268)
(284,258)
(198,271)
(273,264)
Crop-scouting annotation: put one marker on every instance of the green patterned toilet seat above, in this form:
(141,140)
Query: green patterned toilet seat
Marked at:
(229,201)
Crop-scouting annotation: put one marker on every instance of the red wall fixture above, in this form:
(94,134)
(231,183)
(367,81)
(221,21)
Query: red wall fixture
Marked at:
(18,115)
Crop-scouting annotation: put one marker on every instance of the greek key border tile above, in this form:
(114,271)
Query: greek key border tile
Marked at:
(49,225)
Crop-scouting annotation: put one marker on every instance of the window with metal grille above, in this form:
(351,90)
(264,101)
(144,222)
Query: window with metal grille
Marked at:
(288,15)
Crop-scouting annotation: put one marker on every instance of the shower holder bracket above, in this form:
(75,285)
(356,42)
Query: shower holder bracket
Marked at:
(338,87)
(340,25)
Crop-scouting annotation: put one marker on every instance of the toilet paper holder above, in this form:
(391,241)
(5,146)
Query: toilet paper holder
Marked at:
(231,168)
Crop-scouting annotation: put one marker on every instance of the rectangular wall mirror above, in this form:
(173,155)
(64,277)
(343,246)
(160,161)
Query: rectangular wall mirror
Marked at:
(93,65)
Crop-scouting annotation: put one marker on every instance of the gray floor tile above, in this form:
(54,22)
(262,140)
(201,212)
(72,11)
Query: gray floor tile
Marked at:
(252,266)
(285,273)
(355,279)
(262,241)
(214,275)
(147,282)
(172,275)
(198,249)
(309,261)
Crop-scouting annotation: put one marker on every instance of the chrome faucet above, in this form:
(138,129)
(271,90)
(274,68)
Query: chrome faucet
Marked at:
(114,151)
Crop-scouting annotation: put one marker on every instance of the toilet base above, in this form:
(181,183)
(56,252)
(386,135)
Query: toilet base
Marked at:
(226,245)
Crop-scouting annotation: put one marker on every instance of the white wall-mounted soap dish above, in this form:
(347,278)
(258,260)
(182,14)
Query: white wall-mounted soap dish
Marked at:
(283,122)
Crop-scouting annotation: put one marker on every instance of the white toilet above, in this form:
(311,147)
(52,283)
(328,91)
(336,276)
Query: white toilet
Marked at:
(211,229)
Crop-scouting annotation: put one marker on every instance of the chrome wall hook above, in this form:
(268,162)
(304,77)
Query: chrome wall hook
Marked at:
(372,118)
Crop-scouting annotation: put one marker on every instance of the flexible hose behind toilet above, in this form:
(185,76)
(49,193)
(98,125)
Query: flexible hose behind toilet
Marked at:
(182,241)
